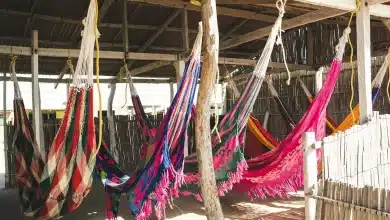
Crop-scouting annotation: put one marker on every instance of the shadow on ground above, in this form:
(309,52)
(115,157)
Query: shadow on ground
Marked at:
(235,207)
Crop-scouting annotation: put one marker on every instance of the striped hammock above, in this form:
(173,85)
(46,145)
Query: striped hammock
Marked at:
(56,186)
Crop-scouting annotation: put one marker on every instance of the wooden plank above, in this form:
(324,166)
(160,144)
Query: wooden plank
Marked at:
(220,10)
(202,123)
(364,61)
(310,17)
(386,22)
(117,55)
(243,2)
(36,98)
(380,10)
(347,5)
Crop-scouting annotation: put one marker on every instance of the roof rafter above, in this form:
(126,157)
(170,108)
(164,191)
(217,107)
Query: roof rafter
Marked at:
(104,8)
(287,24)
(376,9)
(220,10)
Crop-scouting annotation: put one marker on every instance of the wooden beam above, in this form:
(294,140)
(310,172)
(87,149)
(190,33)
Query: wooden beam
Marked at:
(118,55)
(220,10)
(8,177)
(149,67)
(242,2)
(186,43)
(364,61)
(100,25)
(386,22)
(374,2)
(104,8)
(375,9)
(310,17)
(36,98)
(233,29)
(109,80)
(202,123)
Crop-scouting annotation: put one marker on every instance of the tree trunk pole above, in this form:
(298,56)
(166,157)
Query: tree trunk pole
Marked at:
(203,136)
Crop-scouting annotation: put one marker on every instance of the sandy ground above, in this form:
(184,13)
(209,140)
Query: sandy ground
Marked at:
(235,207)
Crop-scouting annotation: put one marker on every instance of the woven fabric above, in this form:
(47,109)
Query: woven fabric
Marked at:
(163,155)
(62,183)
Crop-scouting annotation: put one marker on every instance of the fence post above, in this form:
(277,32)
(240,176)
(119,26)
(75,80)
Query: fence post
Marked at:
(310,173)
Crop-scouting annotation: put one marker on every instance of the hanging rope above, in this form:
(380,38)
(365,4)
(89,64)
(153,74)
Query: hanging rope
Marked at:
(358,4)
(280,6)
(98,79)
(196,3)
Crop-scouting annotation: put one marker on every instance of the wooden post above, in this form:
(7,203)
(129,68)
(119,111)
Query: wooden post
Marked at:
(310,174)
(202,123)
(186,45)
(310,47)
(36,99)
(7,171)
(364,61)
(266,118)
(224,98)
(318,81)
(111,122)
(180,66)
(171,92)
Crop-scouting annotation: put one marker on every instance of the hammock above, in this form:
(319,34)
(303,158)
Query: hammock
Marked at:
(53,187)
(353,117)
(163,155)
(274,173)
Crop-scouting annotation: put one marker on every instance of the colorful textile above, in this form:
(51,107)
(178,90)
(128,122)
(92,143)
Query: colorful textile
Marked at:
(61,185)
(280,171)
(163,152)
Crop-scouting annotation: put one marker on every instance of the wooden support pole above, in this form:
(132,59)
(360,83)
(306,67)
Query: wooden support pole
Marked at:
(318,82)
(386,22)
(125,30)
(111,122)
(310,172)
(7,178)
(266,119)
(364,61)
(171,92)
(202,123)
(310,47)
(186,44)
(36,99)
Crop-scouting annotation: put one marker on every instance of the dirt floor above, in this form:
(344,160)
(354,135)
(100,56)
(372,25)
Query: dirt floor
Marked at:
(235,207)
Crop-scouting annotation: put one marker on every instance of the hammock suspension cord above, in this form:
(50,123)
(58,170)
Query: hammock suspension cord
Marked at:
(358,4)
(97,35)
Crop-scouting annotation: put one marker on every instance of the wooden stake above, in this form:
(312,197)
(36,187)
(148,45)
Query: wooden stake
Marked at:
(310,170)
(202,123)
(364,61)
(36,99)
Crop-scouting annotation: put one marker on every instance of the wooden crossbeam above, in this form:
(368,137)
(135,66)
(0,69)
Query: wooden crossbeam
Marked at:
(307,18)
(242,2)
(52,80)
(233,29)
(220,10)
(118,55)
(374,2)
(375,8)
